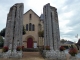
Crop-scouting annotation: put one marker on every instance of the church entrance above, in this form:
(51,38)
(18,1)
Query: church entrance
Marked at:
(30,43)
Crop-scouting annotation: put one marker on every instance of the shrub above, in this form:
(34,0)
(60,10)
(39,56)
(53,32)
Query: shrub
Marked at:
(1,41)
(18,48)
(5,49)
(73,51)
(1,44)
(62,48)
(46,48)
(22,47)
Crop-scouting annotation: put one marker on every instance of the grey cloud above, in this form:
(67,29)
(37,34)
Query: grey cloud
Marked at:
(76,30)
(75,19)
(72,5)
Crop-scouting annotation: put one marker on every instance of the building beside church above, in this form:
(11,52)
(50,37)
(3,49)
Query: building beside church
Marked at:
(32,24)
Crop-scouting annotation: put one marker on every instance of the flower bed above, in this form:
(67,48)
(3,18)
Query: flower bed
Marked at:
(46,48)
(22,47)
(73,51)
(62,48)
(19,48)
(5,49)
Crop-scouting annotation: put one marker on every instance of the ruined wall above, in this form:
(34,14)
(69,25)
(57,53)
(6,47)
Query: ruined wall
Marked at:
(14,25)
(51,27)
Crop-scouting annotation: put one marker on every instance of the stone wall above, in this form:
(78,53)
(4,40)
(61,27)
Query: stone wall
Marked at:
(14,25)
(51,27)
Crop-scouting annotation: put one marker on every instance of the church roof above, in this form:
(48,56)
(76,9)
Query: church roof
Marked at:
(42,17)
(32,11)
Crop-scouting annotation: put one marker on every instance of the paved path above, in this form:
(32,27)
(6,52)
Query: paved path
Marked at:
(32,56)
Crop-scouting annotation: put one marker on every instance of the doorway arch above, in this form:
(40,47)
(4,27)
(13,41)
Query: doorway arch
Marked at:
(29,43)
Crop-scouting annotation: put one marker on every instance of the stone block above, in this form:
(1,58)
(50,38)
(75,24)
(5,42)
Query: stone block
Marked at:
(55,55)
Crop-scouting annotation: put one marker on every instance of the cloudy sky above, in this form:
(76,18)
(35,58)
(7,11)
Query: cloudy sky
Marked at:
(68,14)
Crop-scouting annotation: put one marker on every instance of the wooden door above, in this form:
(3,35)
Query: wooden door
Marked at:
(30,43)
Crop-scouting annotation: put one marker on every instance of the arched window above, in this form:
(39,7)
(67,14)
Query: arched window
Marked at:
(30,16)
(33,27)
(30,26)
(26,27)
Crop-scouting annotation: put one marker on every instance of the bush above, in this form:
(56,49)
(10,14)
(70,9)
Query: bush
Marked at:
(73,51)
(46,48)
(62,48)
(1,41)
(5,49)
(19,48)
(22,47)
(1,44)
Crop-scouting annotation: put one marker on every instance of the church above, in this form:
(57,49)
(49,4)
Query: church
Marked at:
(33,24)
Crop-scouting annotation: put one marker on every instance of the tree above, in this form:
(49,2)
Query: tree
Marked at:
(2,33)
(1,41)
(78,42)
(63,41)
(41,33)
(24,32)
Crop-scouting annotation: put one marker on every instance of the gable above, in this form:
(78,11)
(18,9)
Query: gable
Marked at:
(35,19)
(31,12)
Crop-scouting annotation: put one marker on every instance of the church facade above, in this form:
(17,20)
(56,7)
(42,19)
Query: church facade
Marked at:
(33,24)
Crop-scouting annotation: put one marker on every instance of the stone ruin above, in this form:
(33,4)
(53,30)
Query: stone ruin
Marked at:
(13,34)
(51,33)
(51,27)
